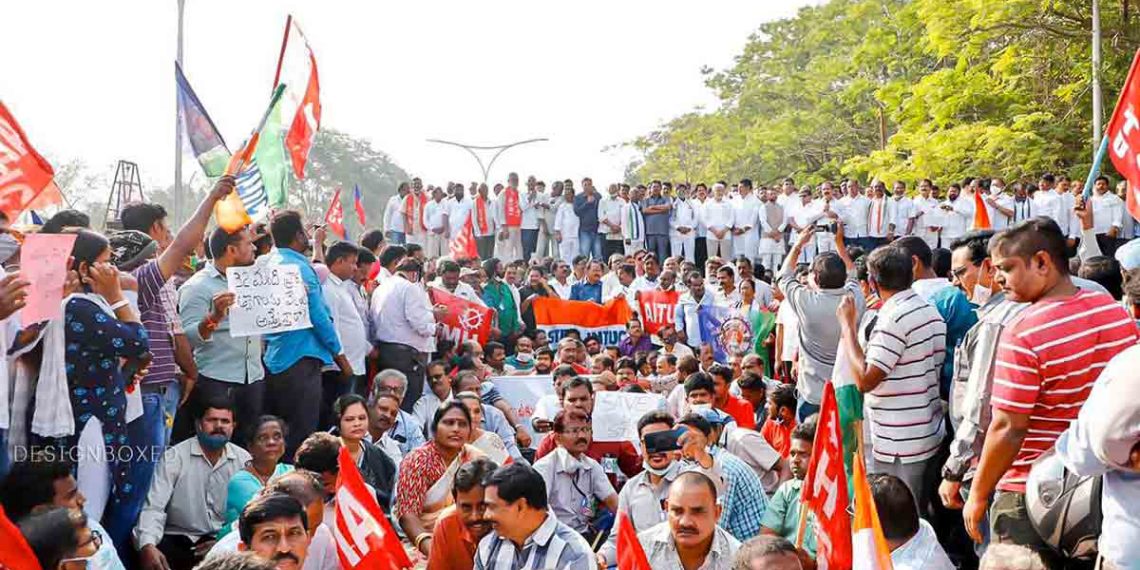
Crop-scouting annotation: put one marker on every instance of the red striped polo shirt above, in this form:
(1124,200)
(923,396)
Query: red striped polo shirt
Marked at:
(1047,361)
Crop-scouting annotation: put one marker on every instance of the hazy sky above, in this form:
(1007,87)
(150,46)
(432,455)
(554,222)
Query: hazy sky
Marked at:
(95,80)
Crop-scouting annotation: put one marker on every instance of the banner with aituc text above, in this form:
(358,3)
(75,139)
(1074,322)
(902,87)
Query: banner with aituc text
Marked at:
(604,322)
(658,308)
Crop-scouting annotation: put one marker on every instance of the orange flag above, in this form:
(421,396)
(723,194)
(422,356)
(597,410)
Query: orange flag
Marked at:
(981,214)
(15,554)
(230,212)
(869,546)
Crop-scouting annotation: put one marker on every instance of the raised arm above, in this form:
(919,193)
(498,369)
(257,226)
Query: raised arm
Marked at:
(193,230)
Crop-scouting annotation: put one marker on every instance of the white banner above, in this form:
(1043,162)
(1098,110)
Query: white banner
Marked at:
(616,414)
(270,298)
(523,393)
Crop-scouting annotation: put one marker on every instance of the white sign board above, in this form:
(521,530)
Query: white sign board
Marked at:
(523,394)
(269,298)
(616,414)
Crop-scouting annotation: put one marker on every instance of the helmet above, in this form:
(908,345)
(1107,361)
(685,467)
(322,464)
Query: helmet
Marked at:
(1064,507)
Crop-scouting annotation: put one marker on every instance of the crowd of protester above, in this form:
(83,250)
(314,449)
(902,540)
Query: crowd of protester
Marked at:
(138,432)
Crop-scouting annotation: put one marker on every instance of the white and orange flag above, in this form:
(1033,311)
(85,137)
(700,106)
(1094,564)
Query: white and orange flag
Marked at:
(869,546)
(301,106)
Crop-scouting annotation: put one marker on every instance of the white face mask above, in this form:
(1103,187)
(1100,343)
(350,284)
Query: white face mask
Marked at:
(524,356)
(700,408)
(568,461)
(995,190)
(665,472)
(982,294)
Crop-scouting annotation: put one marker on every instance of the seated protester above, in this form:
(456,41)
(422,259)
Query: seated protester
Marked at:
(589,289)
(306,488)
(735,406)
(236,561)
(62,539)
(376,467)
(643,497)
(665,377)
(493,419)
(691,538)
(751,447)
(783,515)
(439,389)
(548,406)
(912,541)
(754,390)
(575,483)
(744,499)
(568,355)
(41,485)
(266,447)
(676,403)
(486,441)
(1011,557)
(781,418)
(404,429)
(496,355)
(319,454)
(578,393)
(610,351)
(524,527)
(522,361)
(184,506)
(768,553)
(606,381)
(427,473)
(669,342)
(462,525)
(602,363)
(543,361)
(382,414)
(274,528)
(635,339)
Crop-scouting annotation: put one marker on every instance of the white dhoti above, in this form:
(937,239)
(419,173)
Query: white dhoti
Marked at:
(634,246)
(772,254)
(568,249)
(545,244)
(747,245)
(509,249)
(684,245)
(721,248)
(418,238)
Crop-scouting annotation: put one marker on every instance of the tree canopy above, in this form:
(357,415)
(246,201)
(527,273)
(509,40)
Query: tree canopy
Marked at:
(903,89)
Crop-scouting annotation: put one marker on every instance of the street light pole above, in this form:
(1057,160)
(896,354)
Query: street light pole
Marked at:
(500,149)
(178,128)
(1096,93)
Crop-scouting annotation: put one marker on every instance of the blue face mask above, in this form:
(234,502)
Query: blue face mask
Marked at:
(212,442)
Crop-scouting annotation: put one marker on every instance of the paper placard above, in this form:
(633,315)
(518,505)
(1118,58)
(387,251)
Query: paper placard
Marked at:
(523,394)
(616,414)
(43,264)
(269,298)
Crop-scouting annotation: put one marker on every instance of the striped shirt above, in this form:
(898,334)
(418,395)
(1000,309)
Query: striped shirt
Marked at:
(552,546)
(1047,362)
(908,343)
(153,314)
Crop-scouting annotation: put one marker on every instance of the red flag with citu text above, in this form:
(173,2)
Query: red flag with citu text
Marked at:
(464,319)
(462,246)
(1124,136)
(657,308)
(364,539)
(26,177)
(824,491)
(630,554)
(334,217)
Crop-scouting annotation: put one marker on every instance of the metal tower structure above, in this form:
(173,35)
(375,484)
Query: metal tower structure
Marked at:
(126,188)
(499,150)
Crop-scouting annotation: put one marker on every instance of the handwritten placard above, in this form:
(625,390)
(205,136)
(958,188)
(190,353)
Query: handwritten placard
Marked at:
(268,298)
(616,414)
(43,263)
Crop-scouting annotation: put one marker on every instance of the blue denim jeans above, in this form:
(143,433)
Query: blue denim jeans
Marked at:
(804,409)
(397,238)
(590,243)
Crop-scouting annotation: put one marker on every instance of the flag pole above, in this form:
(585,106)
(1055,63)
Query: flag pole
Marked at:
(281,56)
(1095,170)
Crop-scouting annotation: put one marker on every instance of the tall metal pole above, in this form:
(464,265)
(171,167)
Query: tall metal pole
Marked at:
(178,129)
(1096,94)
(499,149)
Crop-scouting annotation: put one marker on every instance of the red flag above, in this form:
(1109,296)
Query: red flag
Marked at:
(657,308)
(334,217)
(15,554)
(463,246)
(364,539)
(981,214)
(630,554)
(464,320)
(1123,134)
(25,175)
(297,69)
(825,487)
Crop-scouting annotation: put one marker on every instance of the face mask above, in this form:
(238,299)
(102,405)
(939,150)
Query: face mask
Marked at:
(524,357)
(666,471)
(568,461)
(700,408)
(995,190)
(982,294)
(104,559)
(212,442)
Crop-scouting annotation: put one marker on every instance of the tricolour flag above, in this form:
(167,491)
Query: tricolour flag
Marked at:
(981,214)
(604,322)
(297,69)
(231,213)
(1123,133)
(850,402)
(630,554)
(658,308)
(334,217)
(824,491)
(358,204)
(364,538)
(869,547)
(27,180)
(464,320)
(15,554)
(763,323)
(727,330)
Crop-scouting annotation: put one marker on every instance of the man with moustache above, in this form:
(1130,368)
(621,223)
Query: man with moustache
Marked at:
(273,527)
(574,480)
(461,527)
(690,538)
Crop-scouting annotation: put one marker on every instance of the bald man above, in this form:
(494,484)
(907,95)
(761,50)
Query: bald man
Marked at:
(768,553)
(690,538)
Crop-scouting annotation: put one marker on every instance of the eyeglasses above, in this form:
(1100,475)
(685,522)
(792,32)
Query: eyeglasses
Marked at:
(96,541)
(959,272)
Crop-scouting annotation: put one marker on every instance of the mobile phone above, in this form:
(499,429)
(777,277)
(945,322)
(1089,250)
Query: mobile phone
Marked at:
(662,441)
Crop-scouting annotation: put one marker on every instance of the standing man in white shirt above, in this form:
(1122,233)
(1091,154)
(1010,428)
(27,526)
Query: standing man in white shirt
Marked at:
(683,225)
(609,221)
(435,216)
(1047,202)
(964,204)
(405,327)
(566,226)
(773,222)
(856,211)
(632,222)
(484,222)
(546,205)
(904,210)
(718,217)
(807,213)
(880,221)
(954,221)
(530,214)
(458,210)
(1108,216)
(700,197)
(337,291)
(746,219)
(830,212)
(999,205)
(394,216)
(927,216)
